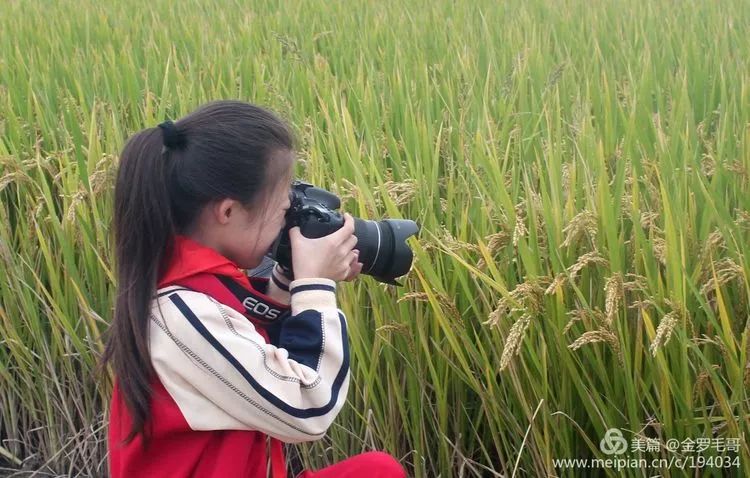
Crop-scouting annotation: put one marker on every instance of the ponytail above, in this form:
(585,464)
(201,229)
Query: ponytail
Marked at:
(143,235)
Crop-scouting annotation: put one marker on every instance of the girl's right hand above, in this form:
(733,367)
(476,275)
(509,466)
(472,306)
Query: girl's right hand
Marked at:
(331,257)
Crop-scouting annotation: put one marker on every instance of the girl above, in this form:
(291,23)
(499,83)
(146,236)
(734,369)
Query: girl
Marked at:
(211,364)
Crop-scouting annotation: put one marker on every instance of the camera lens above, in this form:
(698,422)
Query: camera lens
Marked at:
(382,247)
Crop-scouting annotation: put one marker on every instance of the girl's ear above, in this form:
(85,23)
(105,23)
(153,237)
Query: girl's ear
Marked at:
(222,210)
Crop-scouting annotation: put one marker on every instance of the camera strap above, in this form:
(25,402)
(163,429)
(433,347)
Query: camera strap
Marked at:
(257,305)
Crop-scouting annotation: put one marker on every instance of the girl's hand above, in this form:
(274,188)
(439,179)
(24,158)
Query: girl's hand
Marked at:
(355,267)
(331,257)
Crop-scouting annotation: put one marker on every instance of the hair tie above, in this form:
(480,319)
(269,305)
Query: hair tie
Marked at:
(172,138)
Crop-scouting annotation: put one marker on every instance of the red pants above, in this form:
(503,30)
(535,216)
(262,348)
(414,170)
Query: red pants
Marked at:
(372,464)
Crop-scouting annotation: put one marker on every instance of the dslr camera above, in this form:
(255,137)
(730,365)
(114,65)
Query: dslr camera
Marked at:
(381,244)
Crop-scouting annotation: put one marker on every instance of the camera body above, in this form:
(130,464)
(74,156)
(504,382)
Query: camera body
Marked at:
(382,248)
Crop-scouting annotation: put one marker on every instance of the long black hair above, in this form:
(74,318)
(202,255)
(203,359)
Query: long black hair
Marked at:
(166,175)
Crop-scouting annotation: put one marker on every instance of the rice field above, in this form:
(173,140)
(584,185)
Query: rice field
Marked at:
(580,171)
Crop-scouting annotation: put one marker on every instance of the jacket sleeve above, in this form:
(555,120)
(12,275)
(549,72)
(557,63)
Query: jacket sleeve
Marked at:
(223,375)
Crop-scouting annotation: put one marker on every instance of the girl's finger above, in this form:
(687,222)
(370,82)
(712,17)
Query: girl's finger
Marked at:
(351,257)
(354,261)
(350,243)
(355,270)
(346,230)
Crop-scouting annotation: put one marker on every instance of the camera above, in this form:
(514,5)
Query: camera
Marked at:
(381,244)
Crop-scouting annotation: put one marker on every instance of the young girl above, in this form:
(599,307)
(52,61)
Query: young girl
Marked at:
(212,367)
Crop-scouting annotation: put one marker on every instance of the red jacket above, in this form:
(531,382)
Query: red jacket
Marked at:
(235,364)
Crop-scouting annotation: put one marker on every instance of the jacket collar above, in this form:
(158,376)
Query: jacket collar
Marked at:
(190,258)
